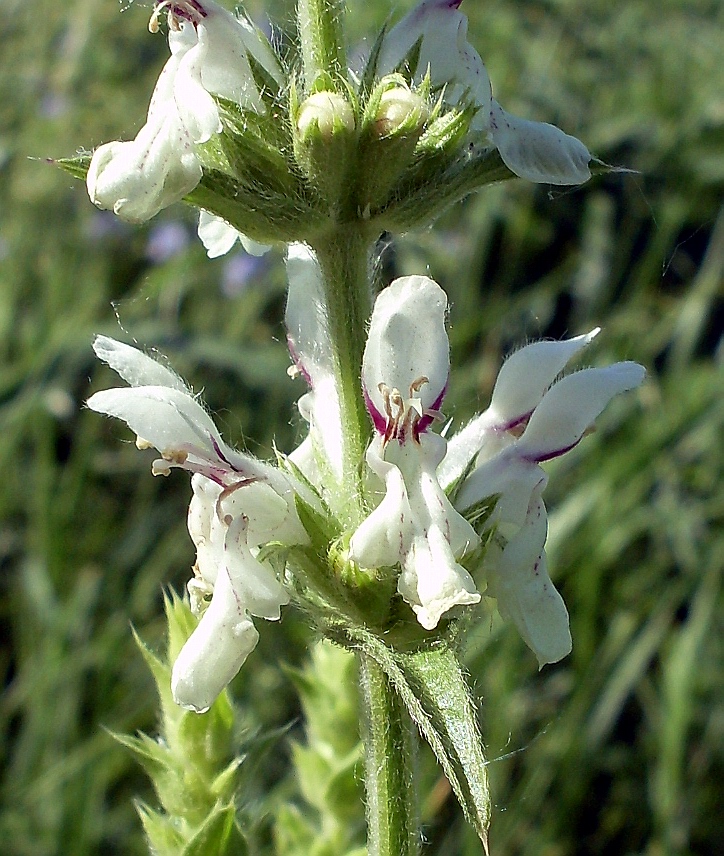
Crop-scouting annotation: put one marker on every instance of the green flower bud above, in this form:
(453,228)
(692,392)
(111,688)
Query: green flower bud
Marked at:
(395,117)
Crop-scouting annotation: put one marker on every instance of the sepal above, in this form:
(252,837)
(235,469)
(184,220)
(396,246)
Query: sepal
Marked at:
(324,142)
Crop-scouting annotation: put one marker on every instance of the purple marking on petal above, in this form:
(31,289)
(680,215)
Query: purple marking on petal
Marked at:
(378,420)
(548,456)
(298,362)
(426,420)
(221,455)
(181,10)
(514,423)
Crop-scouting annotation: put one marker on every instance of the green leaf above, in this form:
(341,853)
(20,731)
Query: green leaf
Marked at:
(219,836)
(436,678)
(321,530)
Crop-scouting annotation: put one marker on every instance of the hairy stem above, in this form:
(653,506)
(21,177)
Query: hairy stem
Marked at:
(322,39)
(390,743)
(344,258)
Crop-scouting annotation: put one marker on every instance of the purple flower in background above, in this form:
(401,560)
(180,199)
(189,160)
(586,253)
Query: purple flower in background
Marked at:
(240,271)
(166,241)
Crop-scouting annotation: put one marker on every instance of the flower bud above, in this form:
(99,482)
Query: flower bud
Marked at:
(324,143)
(400,111)
(394,119)
(323,115)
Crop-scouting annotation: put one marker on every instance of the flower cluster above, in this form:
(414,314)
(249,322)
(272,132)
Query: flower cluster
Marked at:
(425,65)
(423,493)
(238,504)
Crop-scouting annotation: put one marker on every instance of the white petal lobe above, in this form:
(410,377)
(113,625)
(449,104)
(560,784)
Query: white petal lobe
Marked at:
(538,151)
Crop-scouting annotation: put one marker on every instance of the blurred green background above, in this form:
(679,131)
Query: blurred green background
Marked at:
(617,750)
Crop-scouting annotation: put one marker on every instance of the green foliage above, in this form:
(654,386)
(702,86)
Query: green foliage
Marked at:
(190,763)
(616,750)
(320,809)
(433,688)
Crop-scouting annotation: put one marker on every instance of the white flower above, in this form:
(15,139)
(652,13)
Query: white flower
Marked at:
(492,465)
(311,350)
(218,237)
(239,504)
(209,56)
(531,419)
(535,151)
(404,373)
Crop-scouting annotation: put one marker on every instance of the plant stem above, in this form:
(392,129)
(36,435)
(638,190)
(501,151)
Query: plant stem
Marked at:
(390,742)
(344,258)
(322,38)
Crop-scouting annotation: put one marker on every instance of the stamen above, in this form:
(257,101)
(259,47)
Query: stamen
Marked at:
(417,385)
(175,457)
(176,11)
(404,415)
(160,468)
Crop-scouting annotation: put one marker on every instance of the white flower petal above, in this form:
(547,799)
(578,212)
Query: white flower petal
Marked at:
(169,419)
(255,585)
(572,405)
(217,236)
(432,582)
(538,151)
(444,50)
(254,248)
(223,62)
(215,651)
(407,343)
(136,179)
(135,367)
(527,374)
(510,478)
(311,349)
(521,384)
(416,526)
(268,507)
(257,45)
(206,528)
(196,108)
(305,319)
(519,580)
(379,540)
